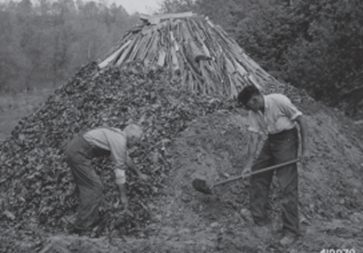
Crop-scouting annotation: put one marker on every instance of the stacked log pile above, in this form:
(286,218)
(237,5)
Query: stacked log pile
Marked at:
(192,49)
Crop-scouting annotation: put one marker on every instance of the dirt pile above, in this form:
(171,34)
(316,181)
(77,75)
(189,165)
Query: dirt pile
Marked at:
(187,136)
(214,146)
(330,186)
(36,184)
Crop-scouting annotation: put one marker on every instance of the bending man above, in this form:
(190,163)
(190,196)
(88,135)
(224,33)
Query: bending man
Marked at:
(95,143)
(275,116)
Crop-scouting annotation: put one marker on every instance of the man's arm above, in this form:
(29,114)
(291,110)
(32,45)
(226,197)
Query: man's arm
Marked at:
(120,181)
(123,195)
(117,144)
(304,137)
(131,165)
(252,150)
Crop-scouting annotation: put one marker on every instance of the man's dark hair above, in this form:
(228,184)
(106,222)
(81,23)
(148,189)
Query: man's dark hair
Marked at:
(247,93)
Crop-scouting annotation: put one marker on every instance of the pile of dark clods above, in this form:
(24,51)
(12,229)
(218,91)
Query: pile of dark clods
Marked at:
(36,185)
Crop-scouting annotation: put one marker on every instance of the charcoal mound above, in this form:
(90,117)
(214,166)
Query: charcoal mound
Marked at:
(36,183)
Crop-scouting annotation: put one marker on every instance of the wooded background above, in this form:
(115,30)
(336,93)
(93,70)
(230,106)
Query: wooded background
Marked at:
(43,42)
(315,45)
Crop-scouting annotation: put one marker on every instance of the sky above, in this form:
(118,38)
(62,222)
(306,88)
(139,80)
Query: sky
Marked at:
(141,6)
(132,6)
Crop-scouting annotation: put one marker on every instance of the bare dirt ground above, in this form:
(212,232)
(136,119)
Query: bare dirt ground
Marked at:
(214,147)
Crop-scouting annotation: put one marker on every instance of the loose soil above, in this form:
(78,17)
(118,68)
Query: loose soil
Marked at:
(214,147)
(189,136)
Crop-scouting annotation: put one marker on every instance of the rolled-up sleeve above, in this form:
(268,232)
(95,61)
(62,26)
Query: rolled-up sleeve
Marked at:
(288,108)
(118,150)
(120,176)
(115,141)
(253,125)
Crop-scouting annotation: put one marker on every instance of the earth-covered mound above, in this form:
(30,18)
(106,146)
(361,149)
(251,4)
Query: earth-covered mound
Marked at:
(187,136)
(36,183)
(330,188)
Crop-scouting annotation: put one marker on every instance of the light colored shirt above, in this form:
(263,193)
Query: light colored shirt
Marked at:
(279,115)
(111,139)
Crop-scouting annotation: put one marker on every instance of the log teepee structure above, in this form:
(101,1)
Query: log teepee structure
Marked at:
(192,48)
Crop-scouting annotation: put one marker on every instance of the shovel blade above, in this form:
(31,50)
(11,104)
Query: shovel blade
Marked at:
(201,186)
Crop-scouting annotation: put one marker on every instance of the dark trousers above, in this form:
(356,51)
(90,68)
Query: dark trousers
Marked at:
(78,155)
(278,148)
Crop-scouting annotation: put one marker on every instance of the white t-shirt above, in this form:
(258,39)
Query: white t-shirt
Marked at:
(114,140)
(279,115)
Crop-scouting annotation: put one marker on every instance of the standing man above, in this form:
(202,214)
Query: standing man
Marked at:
(95,143)
(275,116)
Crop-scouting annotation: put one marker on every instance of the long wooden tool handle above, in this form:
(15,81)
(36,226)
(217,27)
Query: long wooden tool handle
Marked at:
(257,172)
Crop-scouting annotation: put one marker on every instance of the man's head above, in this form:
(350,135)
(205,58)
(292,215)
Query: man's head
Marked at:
(133,134)
(251,98)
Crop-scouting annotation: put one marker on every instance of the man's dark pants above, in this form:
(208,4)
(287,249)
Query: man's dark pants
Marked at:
(278,148)
(78,155)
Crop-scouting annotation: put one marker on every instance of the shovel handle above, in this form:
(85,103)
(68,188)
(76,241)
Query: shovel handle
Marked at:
(257,172)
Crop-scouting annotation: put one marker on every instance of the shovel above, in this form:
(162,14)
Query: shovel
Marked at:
(201,185)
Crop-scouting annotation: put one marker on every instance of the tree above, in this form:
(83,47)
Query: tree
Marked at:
(45,41)
(12,61)
(174,6)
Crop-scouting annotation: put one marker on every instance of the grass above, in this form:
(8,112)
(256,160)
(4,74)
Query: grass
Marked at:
(15,106)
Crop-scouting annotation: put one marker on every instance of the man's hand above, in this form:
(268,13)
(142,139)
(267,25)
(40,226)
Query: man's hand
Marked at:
(123,196)
(246,172)
(304,157)
(304,139)
(125,202)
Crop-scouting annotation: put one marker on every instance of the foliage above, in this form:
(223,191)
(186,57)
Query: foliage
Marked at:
(36,182)
(335,48)
(174,6)
(221,12)
(314,45)
(44,42)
